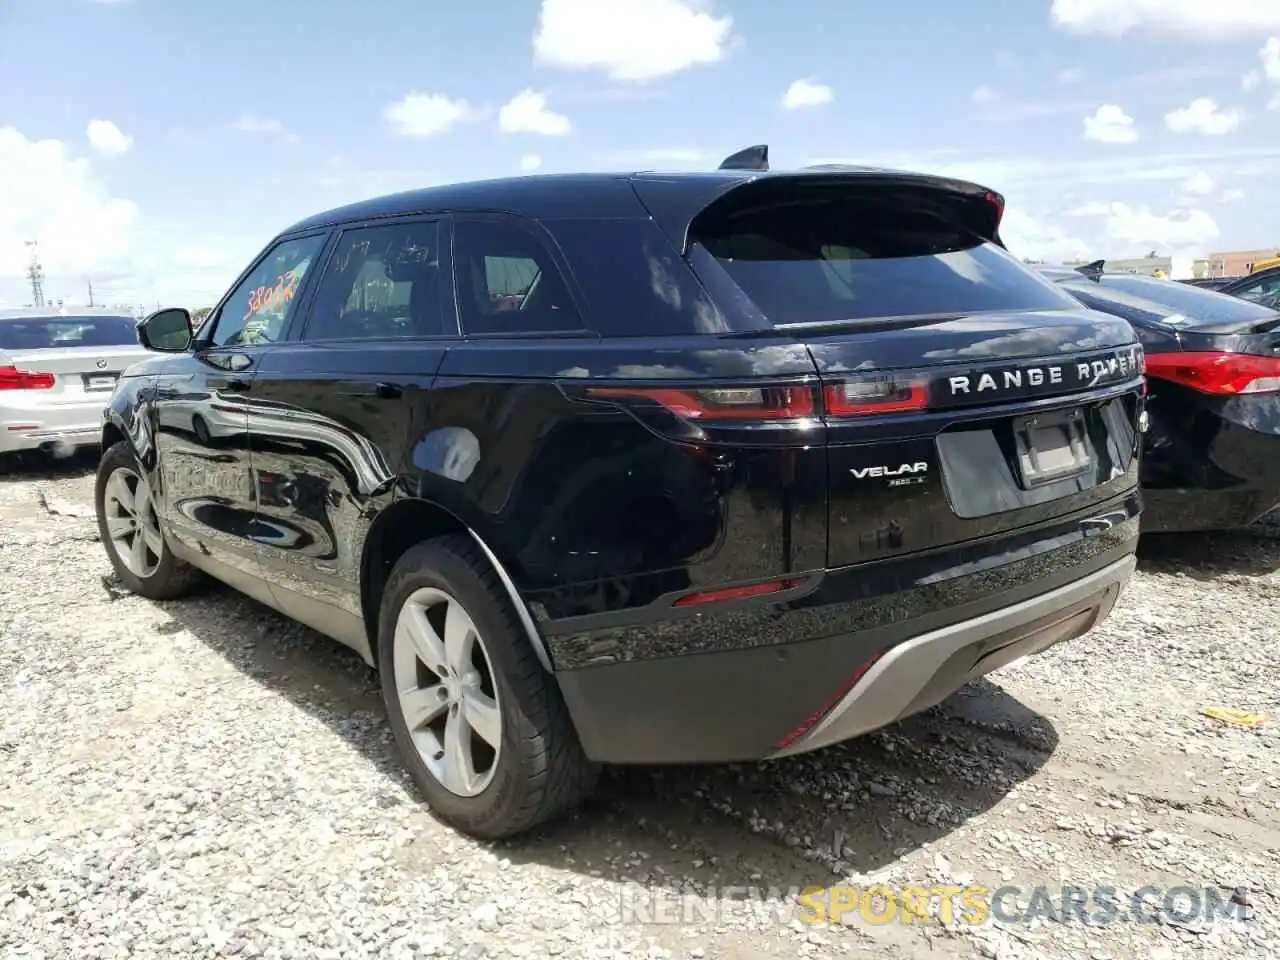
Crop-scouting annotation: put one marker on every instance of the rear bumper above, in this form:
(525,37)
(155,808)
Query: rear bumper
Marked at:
(756,702)
(28,423)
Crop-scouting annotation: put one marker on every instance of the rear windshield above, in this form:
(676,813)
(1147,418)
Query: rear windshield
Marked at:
(47,333)
(848,259)
(1135,297)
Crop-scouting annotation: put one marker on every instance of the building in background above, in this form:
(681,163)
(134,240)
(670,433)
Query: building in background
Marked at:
(1233,263)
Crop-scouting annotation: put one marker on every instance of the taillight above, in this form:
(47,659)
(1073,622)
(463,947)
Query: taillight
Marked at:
(996,201)
(1222,374)
(872,396)
(720,403)
(829,704)
(11,378)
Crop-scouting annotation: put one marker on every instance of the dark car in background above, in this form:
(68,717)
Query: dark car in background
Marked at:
(1262,287)
(640,468)
(1211,455)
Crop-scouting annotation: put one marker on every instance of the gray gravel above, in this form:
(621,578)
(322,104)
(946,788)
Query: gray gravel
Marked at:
(206,779)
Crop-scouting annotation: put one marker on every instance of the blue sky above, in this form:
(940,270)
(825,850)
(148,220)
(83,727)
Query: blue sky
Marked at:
(155,145)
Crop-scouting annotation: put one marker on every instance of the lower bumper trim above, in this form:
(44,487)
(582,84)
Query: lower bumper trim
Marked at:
(923,671)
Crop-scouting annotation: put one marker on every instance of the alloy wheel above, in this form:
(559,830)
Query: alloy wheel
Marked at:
(447,692)
(132,525)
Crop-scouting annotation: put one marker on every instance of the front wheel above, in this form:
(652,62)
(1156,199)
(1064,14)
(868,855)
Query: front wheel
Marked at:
(129,528)
(481,725)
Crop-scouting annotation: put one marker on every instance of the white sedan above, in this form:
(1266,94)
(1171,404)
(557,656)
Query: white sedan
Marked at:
(57,371)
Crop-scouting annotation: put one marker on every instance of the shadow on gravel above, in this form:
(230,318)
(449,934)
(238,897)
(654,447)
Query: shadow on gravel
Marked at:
(1254,552)
(33,465)
(775,824)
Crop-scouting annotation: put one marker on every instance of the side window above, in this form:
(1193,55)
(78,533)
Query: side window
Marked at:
(1265,292)
(507,281)
(258,309)
(380,282)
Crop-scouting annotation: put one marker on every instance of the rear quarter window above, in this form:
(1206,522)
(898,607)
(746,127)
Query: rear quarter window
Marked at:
(1168,297)
(865,257)
(634,282)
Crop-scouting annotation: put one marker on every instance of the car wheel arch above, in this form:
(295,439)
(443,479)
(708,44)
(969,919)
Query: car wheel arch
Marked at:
(403,525)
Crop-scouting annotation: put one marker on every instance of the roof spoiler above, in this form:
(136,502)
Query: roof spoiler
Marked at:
(752,158)
(1092,269)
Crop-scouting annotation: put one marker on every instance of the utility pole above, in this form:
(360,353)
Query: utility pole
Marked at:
(35,273)
(91,303)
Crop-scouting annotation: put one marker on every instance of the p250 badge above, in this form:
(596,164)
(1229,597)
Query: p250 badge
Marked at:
(899,476)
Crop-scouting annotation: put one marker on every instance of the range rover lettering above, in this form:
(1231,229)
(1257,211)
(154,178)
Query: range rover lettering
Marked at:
(639,468)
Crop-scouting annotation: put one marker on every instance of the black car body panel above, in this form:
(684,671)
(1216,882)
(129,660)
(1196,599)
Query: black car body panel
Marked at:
(678,471)
(1211,459)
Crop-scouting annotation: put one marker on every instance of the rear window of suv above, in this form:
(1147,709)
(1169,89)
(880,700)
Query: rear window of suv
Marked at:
(50,333)
(851,258)
(1151,299)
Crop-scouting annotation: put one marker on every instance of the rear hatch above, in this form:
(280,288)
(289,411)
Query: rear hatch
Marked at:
(67,358)
(963,395)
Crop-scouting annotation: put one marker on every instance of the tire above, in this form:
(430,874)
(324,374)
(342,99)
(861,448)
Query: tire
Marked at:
(160,575)
(538,769)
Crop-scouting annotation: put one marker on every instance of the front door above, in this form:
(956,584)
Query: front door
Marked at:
(201,412)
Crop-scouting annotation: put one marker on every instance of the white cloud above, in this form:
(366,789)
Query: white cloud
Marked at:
(52,197)
(1069,76)
(1190,19)
(806,92)
(1202,115)
(427,114)
(527,112)
(1180,230)
(1028,235)
(1270,57)
(202,257)
(1275,103)
(1199,184)
(107,139)
(630,39)
(1110,124)
(265,127)
(1232,195)
(983,95)
(530,162)
(1250,80)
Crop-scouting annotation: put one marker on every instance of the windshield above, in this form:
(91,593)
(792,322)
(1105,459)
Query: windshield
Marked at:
(859,258)
(1159,299)
(51,333)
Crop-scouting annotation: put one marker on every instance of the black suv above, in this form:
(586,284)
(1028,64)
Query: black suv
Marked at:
(639,468)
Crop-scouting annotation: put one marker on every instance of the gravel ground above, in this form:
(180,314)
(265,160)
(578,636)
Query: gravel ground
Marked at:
(205,779)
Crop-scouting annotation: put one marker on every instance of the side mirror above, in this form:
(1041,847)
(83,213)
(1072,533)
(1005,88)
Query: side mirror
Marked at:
(168,330)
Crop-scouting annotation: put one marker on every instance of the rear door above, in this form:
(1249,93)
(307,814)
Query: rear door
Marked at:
(336,413)
(964,396)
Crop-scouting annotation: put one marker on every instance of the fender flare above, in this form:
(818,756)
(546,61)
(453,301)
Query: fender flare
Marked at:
(521,608)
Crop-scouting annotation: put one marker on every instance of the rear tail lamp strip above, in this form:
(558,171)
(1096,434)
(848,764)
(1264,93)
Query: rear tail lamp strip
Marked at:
(1220,374)
(851,398)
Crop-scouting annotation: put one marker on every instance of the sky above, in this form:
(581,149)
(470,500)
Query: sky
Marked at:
(153,147)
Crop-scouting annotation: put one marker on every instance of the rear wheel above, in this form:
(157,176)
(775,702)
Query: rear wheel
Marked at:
(129,527)
(479,722)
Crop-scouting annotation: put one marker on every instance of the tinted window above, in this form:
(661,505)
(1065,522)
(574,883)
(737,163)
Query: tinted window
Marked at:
(844,259)
(46,333)
(1264,291)
(507,281)
(262,304)
(634,282)
(1167,298)
(380,282)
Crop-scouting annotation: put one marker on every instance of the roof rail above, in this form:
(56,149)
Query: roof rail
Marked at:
(752,158)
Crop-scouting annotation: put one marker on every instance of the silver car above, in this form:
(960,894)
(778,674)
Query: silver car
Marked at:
(57,371)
